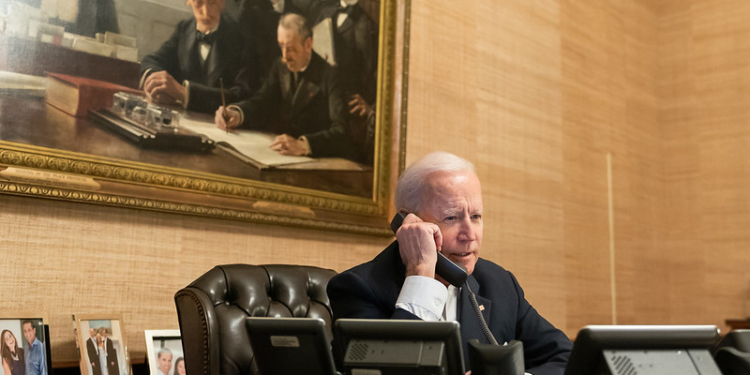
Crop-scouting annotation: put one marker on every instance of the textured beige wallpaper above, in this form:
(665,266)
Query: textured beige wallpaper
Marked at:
(608,136)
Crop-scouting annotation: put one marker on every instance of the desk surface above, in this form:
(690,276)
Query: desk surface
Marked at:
(28,120)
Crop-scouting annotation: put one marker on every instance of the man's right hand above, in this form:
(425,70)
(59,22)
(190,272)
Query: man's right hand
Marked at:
(161,88)
(419,241)
(227,118)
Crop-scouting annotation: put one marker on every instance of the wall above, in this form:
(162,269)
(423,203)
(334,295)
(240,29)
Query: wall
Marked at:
(150,22)
(540,95)
(705,90)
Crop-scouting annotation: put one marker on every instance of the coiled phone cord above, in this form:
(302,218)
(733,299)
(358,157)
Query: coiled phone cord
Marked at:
(479,316)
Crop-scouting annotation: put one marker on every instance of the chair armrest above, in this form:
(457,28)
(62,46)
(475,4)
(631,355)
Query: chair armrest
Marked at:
(197,324)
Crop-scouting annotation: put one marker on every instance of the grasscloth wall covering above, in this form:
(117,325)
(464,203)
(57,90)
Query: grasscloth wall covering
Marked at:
(548,98)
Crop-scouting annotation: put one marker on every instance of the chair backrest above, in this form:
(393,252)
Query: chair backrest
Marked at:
(213,308)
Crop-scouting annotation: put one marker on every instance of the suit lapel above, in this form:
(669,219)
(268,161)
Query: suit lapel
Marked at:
(470,327)
(189,46)
(219,56)
(306,90)
(348,23)
(214,61)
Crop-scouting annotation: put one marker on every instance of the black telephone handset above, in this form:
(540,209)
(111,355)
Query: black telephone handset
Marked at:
(449,271)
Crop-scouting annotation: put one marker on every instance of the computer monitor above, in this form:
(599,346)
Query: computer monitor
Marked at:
(290,346)
(395,347)
(644,350)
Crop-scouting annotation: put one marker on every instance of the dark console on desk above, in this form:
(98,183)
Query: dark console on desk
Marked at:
(644,350)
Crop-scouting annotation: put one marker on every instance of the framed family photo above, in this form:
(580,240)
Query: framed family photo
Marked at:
(164,352)
(24,344)
(101,344)
(341,181)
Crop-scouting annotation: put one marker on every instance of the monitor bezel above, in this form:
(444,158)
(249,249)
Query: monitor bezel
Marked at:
(260,330)
(593,339)
(407,330)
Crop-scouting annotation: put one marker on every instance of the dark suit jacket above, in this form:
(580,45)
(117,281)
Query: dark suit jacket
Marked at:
(316,109)
(93,357)
(258,22)
(355,45)
(370,290)
(232,58)
(112,362)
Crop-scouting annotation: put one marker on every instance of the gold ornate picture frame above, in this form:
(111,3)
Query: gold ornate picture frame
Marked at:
(323,200)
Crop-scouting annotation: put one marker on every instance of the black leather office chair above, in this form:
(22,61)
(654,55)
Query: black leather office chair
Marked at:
(213,308)
(732,355)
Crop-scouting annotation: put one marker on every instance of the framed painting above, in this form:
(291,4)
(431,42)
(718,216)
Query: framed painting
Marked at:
(24,342)
(101,345)
(49,151)
(164,352)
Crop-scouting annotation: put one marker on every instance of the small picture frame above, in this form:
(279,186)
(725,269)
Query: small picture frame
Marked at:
(31,338)
(164,352)
(101,344)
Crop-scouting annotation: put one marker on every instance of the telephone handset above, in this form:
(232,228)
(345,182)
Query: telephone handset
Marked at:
(451,272)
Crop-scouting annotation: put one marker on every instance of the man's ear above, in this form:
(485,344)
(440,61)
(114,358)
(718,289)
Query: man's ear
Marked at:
(308,44)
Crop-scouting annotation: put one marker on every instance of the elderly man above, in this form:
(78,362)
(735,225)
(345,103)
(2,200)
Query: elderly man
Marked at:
(301,99)
(35,362)
(443,198)
(203,52)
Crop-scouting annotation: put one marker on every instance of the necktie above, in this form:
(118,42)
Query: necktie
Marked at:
(205,38)
(295,80)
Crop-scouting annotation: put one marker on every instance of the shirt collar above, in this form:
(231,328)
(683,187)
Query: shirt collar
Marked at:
(212,30)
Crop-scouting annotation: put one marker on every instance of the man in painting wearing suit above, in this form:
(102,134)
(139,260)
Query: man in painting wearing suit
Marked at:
(93,352)
(301,99)
(203,50)
(442,198)
(258,20)
(355,43)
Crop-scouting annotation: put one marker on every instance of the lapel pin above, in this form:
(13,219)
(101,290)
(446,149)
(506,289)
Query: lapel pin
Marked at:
(481,307)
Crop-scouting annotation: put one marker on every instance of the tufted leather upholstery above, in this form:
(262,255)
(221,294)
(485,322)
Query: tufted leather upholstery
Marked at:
(213,308)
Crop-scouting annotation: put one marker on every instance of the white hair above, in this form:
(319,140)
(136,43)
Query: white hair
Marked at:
(293,21)
(164,351)
(409,189)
